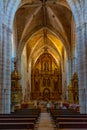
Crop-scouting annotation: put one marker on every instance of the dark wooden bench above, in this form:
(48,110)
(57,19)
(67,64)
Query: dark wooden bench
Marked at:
(17,125)
(63,113)
(27,112)
(21,119)
(69,120)
(6,118)
(72,129)
(72,125)
(68,116)
(17,116)
(11,120)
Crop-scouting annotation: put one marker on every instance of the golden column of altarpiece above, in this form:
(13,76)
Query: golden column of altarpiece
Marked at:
(73,89)
(16,90)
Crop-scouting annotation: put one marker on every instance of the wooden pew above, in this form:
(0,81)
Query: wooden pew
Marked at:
(17,125)
(72,125)
(27,111)
(60,112)
(69,120)
(17,116)
(19,121)
(72,129)
(69,116)
(64,112)
(11,120)
(57,113)
(23,119)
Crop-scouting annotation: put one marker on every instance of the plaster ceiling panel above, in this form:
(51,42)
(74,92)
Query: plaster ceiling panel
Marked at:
(31,45)
(64,15)
(30,1)
(51,51)
(22,17)
(30,18)
(54,23)
(63,2)
(40,47)
(37,43)
(38,40)
(33,26)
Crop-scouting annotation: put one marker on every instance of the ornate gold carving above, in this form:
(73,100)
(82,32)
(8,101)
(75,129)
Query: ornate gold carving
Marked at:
(73,89)
(46,79)
(15,88)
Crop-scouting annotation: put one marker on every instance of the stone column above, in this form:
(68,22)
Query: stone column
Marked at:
(74,65)
(0,65)
(79,9)
(73,46)
(69,75)
(6,68)
(69,72)
(85,26)
(82,66)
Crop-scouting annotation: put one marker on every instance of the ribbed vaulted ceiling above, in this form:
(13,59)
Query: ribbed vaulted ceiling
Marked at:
(41,23)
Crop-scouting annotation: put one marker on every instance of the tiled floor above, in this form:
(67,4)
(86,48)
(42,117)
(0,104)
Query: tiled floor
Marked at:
(45,122)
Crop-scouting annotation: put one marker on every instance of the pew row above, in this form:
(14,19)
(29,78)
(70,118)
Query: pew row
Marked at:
(72,125)
(23,119)
(17,125)
(68,119)
(71,129)
(18,120)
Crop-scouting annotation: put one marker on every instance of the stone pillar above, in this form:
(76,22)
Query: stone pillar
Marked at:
(86,47)
(24,73)
(85,26)
(79,9)
(69,76)
(82,66)
(69,72)
(74,65)
(0,65)
(6,68)
(73,47)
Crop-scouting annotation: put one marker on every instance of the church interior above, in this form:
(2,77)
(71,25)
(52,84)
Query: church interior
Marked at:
(43,58)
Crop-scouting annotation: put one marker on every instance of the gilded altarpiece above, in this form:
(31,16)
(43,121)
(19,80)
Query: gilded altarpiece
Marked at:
(46,79)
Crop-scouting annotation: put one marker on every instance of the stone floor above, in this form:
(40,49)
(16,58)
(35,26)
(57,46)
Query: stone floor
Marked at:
(45,122)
